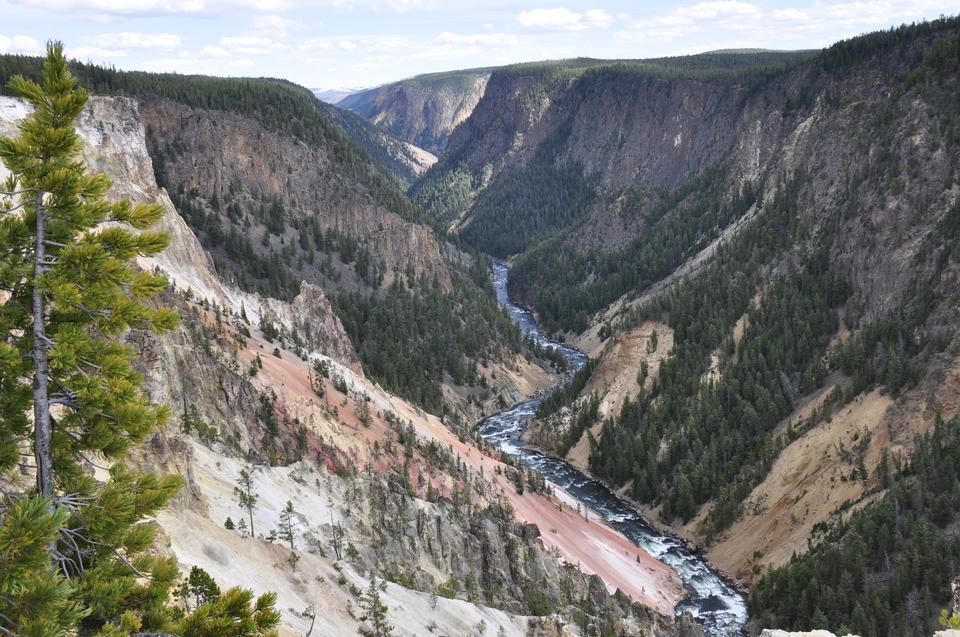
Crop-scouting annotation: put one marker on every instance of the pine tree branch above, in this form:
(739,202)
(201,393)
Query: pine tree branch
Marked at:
(65,401)
(6,631)
(91,462)
(74,501)
(94,313)
(14,209)
(46,340)
(130,565)
(64,561)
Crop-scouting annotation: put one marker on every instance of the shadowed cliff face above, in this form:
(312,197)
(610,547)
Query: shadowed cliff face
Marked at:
(651,144)
(423,110)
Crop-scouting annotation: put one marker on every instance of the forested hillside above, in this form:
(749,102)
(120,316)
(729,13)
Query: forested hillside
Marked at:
(887,569)
(790,220)
(278,105)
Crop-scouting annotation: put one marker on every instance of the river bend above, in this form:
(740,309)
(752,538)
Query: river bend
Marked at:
(717,605)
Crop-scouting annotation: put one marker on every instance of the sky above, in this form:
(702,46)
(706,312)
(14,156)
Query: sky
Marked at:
(336,44)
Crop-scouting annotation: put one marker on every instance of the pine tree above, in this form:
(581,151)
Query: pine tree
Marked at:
(235,613)
(75,554)
(374,613)
(34,598)
(336,539)
(363,412)
(73,290)
(245,495)
(202,586)
(288,524)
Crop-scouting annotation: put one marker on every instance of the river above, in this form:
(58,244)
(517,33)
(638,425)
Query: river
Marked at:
(717,605)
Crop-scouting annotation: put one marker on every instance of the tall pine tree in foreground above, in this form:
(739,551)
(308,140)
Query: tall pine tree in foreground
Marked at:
(75,551)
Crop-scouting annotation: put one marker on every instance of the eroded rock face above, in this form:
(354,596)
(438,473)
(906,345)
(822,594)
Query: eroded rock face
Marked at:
(422,110)
(404,160)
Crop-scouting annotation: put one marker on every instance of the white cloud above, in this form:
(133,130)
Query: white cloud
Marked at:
(377,44)
(22,44)
(273,24)
(787,27)
(104,8)
(247,45)
(131,40)
(315,44)
(717,9)
(387,43)
(564,19)
(94,54)
(399,6)
(192,63)
(789,13)
(215,51)
(478,39)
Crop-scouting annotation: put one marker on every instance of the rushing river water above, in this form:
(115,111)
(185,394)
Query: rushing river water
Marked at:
(720,608)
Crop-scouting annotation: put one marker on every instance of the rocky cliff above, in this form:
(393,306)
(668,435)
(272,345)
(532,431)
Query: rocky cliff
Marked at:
(379,488)
(422,110)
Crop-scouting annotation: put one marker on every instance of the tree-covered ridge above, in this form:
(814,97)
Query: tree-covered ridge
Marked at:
(886,570)
(718,434)
(278,105)
(422,110)
(700,65)
(258,244)
(362,102)
(522,208)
